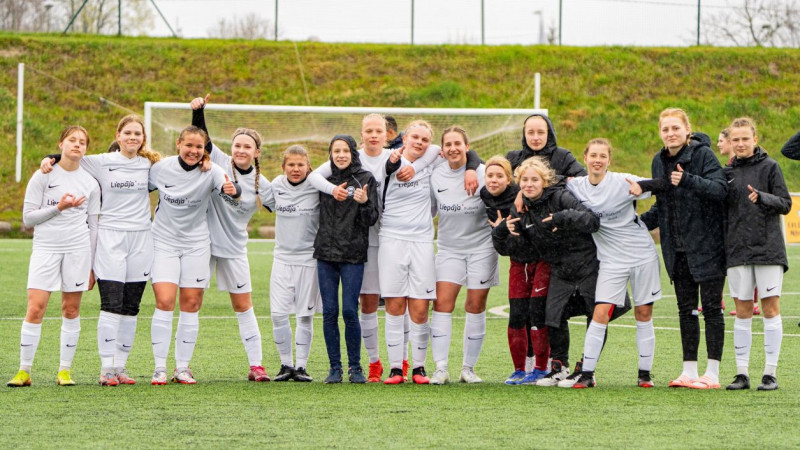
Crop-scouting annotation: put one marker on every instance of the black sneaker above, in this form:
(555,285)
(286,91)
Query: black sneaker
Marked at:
(586,380)
(301,375)
(334,376)
(418,376)
(645,381)
(768,383)
(286,373)
(356,375)
(740,381)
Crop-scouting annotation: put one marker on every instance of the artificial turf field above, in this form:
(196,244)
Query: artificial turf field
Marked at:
(224,409)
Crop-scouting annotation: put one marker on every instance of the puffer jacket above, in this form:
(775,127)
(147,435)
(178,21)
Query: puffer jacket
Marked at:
(753,233)
(694,210)
(506,244)
(560,159)
(343,234)
(791,149)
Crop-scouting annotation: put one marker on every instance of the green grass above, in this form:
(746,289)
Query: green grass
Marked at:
(224,409)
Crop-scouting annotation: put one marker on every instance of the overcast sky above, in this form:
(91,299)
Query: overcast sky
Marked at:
(585,22)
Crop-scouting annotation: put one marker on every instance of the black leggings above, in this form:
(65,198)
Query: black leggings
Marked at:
(526,312)
(710,293)
(121,298)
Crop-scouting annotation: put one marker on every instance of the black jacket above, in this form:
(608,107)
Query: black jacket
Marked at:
(791,149)
(570,250)
(397,142)
(560,159)
(690,216)
(753,233)
(515,247)
(343,234)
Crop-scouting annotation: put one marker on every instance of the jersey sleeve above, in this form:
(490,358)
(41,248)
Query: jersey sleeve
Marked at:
(318,178)
(266,194)
(218,177)
(93,200)
(624,185)
(92,164)
(32,212)
(430,156)
(219,157)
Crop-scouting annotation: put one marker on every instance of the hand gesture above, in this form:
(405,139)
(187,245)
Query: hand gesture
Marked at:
(470,182)
(200,102)
(753,197)
(70,201)
(360,195)
(549,219)
(47,165)
(406,173)
(228,187)
(497,222)
(635,190)
(396,154)
(675,177)
(340,192)
(512,228)
(518,202)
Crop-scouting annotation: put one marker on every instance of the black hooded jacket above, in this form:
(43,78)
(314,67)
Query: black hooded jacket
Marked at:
(517,248)
(753,233)
(560,159)
(343,234)
(791,149)
(690,216)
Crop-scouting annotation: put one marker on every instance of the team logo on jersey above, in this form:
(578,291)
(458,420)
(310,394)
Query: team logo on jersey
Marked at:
(409,184)
(51,202)
(228,199)
(450,208)
(173,200)
(123,184)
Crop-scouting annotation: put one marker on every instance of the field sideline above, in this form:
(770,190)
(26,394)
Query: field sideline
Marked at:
(224,409)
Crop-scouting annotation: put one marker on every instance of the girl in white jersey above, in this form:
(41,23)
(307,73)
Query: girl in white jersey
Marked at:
(182,248)
(62,206)
(227,223)
(466,256)
(124,243)
(626,253)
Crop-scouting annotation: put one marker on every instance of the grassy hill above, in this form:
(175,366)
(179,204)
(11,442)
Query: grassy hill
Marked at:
(615,92)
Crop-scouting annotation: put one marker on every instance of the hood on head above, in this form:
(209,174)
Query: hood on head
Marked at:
(551,144)
(354,160)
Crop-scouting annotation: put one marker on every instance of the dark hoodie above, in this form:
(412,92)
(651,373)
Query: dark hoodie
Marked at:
(516,247)
(753,233)
(343,234)
(791,149)
(560,159)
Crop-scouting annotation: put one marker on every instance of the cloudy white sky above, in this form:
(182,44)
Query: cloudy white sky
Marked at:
(585,22)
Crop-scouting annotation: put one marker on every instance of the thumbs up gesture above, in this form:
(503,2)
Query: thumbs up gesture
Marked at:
(635,190)
(753,197)
(676,176)
(199,102)
(360,195)
(228,187)
(340,192)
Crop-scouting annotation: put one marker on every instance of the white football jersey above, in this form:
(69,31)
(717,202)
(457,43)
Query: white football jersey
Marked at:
(463,227)
(67,231)
(180,218)
(123,182)
(623,240)
(296,222)
(407,207)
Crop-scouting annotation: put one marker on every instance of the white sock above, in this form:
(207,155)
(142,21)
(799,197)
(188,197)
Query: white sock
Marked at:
(419,343)
(474,333)
(645,344)
(712,370)
(690,370)
(125,338)
(394,340)
(369,333)
(28,343)
(251,336)
(70,332)
(282,335)
(530,363)
(773,335)
(107,330)
(406,334)
(160,336)
(742,341)
(304,334)
(593,345)
(441,335)
(186,338)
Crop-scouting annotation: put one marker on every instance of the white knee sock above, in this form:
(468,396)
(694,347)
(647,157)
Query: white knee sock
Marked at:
(474,333)
(282,334)
(406,334)
(712,370)
(369,333)
(107,330)
(70,332)
(742,341)
(251,336)
(125,338)
(645,344)
(160,336)
(394,340)
(186,338)
(419,343)
(441,335)
(773,335)
(593,345)
(304,334)
(28,343)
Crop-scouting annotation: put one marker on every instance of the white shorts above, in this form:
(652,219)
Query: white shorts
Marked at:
(188,268)
(476,271)
(294,290)
(124,256)
(743,280)
(370,284)
(645,279)
(233,274)
(407,269)
(65,272)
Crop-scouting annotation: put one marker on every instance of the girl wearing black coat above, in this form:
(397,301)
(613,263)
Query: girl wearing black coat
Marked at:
(755,249)
(341,251)
(689,211)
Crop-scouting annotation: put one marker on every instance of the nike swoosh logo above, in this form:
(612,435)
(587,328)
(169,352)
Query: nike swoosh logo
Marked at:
(769,289)
(111,170)
(51,186)
(311,307)
(281,193)
(528,226)
(189,342)
(301,343)
(71,346)
(147,274)
(738,348)
(395,345)
(643,356)
(656,292)
(126,346)
(440,335)
(422,348)
(200,279)
(80,284)
(539,289)
(251,338)
(588,357)
(486,281)
(25,345)
(155,343)
(430,290)
(367,337)
(110,340)
(441,190)
(729,181)
(279,343)
(469,338)
(169,186)
(239,286)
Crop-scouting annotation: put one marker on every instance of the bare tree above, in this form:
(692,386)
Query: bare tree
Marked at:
(761,23)
(250,26)
(25,15)
(96,17)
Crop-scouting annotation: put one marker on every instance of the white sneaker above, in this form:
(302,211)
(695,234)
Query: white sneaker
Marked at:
(557,373)
(441,376)
(468,376)
(570,380)
(183,376)
(159,378)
